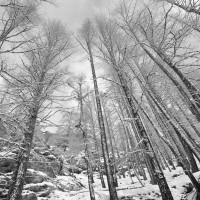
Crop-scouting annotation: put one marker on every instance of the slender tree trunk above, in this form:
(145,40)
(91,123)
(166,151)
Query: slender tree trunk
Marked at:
(97,149)
(191,104)
(110,179)
(89,168)
(183,161)
(164,188)
(192,89)
(193,164)
(113,162)
(188,119)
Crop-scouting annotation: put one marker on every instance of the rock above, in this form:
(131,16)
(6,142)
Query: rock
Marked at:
(41,163)
(3,193)
(188,188)
(33,176)
(40,149)
(28,195)
(15,151)
(4,181)
(41,189)
(77,161)
(68,184)
(49,164)
(74,169)
(176,175)
(7,162)
(81,164)
(46,153)
(51,157)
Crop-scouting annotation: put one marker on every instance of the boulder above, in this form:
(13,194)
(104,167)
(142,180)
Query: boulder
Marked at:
(51,157)
(81,164)
(68,183)
(72,169)
(33,176)
(28,195)
(7,162)
(41,189)
(42,163)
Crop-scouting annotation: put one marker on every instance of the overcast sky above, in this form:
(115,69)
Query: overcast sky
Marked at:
(72,13)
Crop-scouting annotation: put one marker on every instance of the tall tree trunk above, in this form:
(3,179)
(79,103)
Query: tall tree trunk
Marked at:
(189,120)
(113,161)
(97,148)
(183,161)
(192,161)
(89,168)
(191,104)
(164,188)
(110,179)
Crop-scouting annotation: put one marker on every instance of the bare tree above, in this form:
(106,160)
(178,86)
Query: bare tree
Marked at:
(37,78)
(18,17)
(165,49)
(112,48)
(80,95)
(87,35)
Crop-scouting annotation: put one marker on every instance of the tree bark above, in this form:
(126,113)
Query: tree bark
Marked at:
(110,179)
(17,182)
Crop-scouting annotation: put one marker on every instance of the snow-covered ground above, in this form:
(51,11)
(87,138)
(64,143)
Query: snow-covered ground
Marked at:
(176,179)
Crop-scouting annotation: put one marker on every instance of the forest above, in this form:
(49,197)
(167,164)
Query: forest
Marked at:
(126,130)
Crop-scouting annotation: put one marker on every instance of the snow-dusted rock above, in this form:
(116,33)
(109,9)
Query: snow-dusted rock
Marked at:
(33,176)
(7,161)
(51,157)
(28,195)
(68,183)
(41,189)
(45,153)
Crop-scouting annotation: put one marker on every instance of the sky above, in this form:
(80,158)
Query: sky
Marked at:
(72,13)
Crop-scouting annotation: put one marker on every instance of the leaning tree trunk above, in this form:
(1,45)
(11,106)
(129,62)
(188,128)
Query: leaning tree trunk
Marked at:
(190,103)
(183,162)
(17,181)
(192,89)
(164,188)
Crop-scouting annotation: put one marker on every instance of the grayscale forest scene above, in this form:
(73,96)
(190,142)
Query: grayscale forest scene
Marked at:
(99,99)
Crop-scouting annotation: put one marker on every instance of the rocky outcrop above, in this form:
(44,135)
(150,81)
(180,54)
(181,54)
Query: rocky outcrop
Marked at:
(43,160)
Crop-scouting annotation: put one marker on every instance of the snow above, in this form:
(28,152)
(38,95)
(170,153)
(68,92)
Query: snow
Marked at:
(176,179)
(37,172)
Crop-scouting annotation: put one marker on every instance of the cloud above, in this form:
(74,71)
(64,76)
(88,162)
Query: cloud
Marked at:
(73,12)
